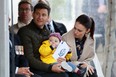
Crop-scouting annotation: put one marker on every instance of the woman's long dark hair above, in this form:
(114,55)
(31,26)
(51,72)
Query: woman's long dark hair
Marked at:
(87,22)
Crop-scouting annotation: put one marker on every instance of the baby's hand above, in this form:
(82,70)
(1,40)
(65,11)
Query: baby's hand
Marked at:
(60,59)
(54,45)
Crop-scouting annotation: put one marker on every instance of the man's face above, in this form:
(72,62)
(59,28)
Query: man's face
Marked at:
(25,13)
(40,17)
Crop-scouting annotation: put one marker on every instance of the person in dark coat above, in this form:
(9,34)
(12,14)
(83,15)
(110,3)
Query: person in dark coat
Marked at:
(18,63)
(56,27)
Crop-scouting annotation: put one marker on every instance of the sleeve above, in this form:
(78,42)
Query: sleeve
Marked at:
(68,56)
(16,70)
(91,52)
(90,58)
(45,49)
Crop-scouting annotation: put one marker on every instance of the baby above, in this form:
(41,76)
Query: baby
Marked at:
(48,48)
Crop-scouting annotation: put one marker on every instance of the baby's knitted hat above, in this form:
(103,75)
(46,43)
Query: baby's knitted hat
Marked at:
(56,34)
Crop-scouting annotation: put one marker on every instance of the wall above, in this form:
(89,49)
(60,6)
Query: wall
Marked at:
(4,39)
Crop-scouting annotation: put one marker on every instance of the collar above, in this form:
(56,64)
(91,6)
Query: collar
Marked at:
(21,24)
(52,26)
(81,41)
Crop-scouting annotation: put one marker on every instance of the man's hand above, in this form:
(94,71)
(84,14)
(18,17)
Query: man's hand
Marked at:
(25,71)
(57,68)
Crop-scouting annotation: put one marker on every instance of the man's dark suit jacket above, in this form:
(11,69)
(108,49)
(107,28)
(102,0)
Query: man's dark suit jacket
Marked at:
(59,27)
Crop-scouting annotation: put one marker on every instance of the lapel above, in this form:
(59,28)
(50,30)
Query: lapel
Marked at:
(88,49)
(56,26)
(69,38)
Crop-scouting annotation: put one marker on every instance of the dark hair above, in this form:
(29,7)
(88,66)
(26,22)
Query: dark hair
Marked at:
(25,2)
(41,5)
(87,22)
(45,1)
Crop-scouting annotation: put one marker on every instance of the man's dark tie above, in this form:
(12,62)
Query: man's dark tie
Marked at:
(49,27)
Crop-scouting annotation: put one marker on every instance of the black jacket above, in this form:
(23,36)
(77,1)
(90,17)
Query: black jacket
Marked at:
(59,27)
(31,38)
(15,60)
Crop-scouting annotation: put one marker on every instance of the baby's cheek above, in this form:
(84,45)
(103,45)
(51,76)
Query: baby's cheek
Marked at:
(57,44)
(50,43)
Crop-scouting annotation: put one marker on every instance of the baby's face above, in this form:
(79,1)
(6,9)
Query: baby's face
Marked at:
(54,40)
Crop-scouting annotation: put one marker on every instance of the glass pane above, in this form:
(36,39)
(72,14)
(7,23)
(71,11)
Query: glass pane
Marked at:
(61,11)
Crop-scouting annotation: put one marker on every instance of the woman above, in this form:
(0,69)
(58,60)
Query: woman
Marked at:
(81,41)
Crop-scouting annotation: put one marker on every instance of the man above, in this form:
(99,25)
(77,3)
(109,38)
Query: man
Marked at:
(25,15)
(32,36)
(52,25)
(18,63)
(56,27)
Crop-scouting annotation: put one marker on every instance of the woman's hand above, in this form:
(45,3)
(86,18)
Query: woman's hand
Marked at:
(90,69)
(83,65)
(60,59)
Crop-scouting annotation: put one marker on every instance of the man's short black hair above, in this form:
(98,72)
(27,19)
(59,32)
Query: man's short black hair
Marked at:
(25,2)
(41,5)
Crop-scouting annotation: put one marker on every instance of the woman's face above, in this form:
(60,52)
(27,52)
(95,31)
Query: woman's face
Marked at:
(79,30)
